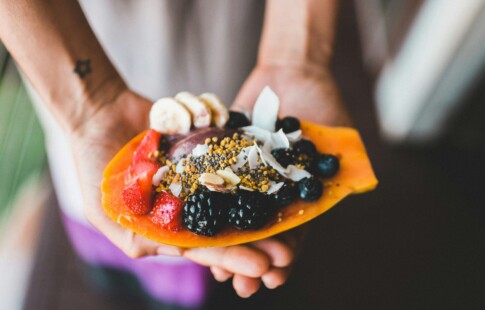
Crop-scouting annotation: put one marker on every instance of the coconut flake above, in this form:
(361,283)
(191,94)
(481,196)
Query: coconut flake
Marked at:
(273,140)
(274,187)
(258,133)
(253,157)
(270,160)
(294,136)
(246,188)
(291,172)
(180,167)
(296,174)
(159,175)
(261,152)
(200,149)
(175,188)
(241,158)
(265,111)
(279,140)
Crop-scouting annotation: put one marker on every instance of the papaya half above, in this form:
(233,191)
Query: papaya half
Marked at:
(355,176)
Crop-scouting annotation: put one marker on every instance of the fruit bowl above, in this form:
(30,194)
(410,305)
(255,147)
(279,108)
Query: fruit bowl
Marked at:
(219,203)
(355,176)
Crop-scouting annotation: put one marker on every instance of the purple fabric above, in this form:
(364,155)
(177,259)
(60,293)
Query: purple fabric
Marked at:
(174,281)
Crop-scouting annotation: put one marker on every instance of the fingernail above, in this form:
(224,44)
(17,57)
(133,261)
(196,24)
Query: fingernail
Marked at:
(220,278)
(272,286)
(272,283)
(245,296)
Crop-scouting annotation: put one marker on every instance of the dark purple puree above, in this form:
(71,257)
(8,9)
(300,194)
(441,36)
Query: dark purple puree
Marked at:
(179,146)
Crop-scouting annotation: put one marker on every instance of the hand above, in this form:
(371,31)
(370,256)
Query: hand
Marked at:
(94,143)
(309,94)
(265,261)
(97,140)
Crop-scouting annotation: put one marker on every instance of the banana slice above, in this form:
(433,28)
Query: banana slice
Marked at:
(201,114)
(220,115)
(168,116)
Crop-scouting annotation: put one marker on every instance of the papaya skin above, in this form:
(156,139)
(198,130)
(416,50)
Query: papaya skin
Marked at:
(355,176)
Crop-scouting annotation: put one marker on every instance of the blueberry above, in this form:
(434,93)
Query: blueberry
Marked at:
(326,165)
(283,156)
(310,188)
(278,124)
(237,120)
(288,124)
(284,196)
(305,147)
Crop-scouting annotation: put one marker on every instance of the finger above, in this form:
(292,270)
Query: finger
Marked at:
(280,253)
(239,259)
(131,244)
(245,286)
(220,274)
(169,250)
(275,277)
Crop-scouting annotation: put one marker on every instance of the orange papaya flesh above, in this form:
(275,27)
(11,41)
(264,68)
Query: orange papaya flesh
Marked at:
(355,176)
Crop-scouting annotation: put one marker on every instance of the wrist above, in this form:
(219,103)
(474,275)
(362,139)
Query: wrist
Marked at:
(121,114)
(93,98)
(298,34)
(307,70)
(308,51)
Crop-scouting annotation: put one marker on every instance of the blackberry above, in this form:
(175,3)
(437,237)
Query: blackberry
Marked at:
(237,120)
(305,147)
(284,196)
(283,156)
(205,212)
(310,188)
(251,211)
(326,165)
(288,124)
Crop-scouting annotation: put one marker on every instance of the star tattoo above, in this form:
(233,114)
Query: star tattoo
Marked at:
(83,67)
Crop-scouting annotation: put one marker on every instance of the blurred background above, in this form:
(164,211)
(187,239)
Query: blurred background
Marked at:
(413,75)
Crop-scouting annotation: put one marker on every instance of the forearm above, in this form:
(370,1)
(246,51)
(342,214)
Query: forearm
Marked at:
(47,38)
(298,33)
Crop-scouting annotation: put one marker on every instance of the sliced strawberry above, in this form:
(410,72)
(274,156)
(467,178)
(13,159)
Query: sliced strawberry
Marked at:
(148,145)
(137,196)
(138,168)
(167,211)
(138,193)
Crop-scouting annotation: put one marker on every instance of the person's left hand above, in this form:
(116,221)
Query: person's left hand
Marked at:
(309,94)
